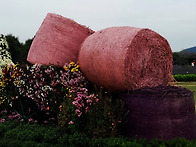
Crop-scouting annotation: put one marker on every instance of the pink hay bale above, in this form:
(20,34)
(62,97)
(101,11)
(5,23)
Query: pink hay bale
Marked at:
(121,58)
(57,41)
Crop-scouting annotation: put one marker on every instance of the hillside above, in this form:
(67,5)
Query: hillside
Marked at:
(190,50)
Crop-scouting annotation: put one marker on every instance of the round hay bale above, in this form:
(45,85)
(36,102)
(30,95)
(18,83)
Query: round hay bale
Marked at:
(57,41)
(163,112)
(121,58)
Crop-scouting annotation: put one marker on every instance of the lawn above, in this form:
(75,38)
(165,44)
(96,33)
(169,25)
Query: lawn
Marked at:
(189,85)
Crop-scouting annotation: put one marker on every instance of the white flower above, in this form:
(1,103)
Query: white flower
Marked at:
(46,87)
(5,57)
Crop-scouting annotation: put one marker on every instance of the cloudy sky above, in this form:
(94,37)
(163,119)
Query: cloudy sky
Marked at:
(173,19)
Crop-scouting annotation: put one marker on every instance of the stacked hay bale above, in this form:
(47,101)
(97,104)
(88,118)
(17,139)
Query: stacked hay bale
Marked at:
(57,41)
(139,62)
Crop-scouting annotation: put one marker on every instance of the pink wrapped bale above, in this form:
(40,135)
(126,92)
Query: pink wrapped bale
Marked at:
(121,58)
(57,41)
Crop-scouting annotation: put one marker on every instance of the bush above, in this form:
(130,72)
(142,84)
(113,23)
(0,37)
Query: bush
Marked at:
(185,78)
(180,142)
(16,137)
(15,143)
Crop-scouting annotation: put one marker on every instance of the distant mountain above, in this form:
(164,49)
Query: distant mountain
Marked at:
(190,50)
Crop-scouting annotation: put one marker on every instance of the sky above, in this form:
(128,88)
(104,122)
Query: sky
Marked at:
(175,20)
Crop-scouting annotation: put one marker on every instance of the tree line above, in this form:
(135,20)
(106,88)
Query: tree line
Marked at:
(183,58)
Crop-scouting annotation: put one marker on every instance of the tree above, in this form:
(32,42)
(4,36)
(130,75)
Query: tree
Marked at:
(19,51)
(25,49)
(180,59)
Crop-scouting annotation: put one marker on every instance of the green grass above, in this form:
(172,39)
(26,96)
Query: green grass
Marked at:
(189,85)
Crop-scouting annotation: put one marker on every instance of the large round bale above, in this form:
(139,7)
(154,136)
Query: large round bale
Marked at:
(57,41)
(121,58)
(163,112)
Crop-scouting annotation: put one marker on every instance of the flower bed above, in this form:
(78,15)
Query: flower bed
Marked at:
(59,96)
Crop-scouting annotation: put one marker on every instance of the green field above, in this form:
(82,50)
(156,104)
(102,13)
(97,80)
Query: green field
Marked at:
(189,85)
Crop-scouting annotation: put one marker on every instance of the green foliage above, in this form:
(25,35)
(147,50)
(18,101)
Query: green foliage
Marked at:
(45,136)
(76,139)
(180,142)
(186,77)
(107,117)
(33,132)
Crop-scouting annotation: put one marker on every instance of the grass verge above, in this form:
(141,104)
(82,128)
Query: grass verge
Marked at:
(189,85)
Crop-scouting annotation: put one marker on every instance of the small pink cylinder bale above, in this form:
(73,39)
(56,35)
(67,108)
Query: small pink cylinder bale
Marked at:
(57,41)
(162,112)
(121,58)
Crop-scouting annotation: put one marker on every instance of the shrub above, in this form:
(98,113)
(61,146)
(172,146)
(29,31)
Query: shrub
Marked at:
(186,77)
(29,144)
(180,142)
(15,143)
(76,139)
(107,117)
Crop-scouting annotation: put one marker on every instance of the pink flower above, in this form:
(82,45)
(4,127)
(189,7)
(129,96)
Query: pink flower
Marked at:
(71,122)
(30,119)
(4,111)
(10,117)
(78,112)
(52,118)
(89,101)
(2,120)
(87,108)
(96,99)
(16,116)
